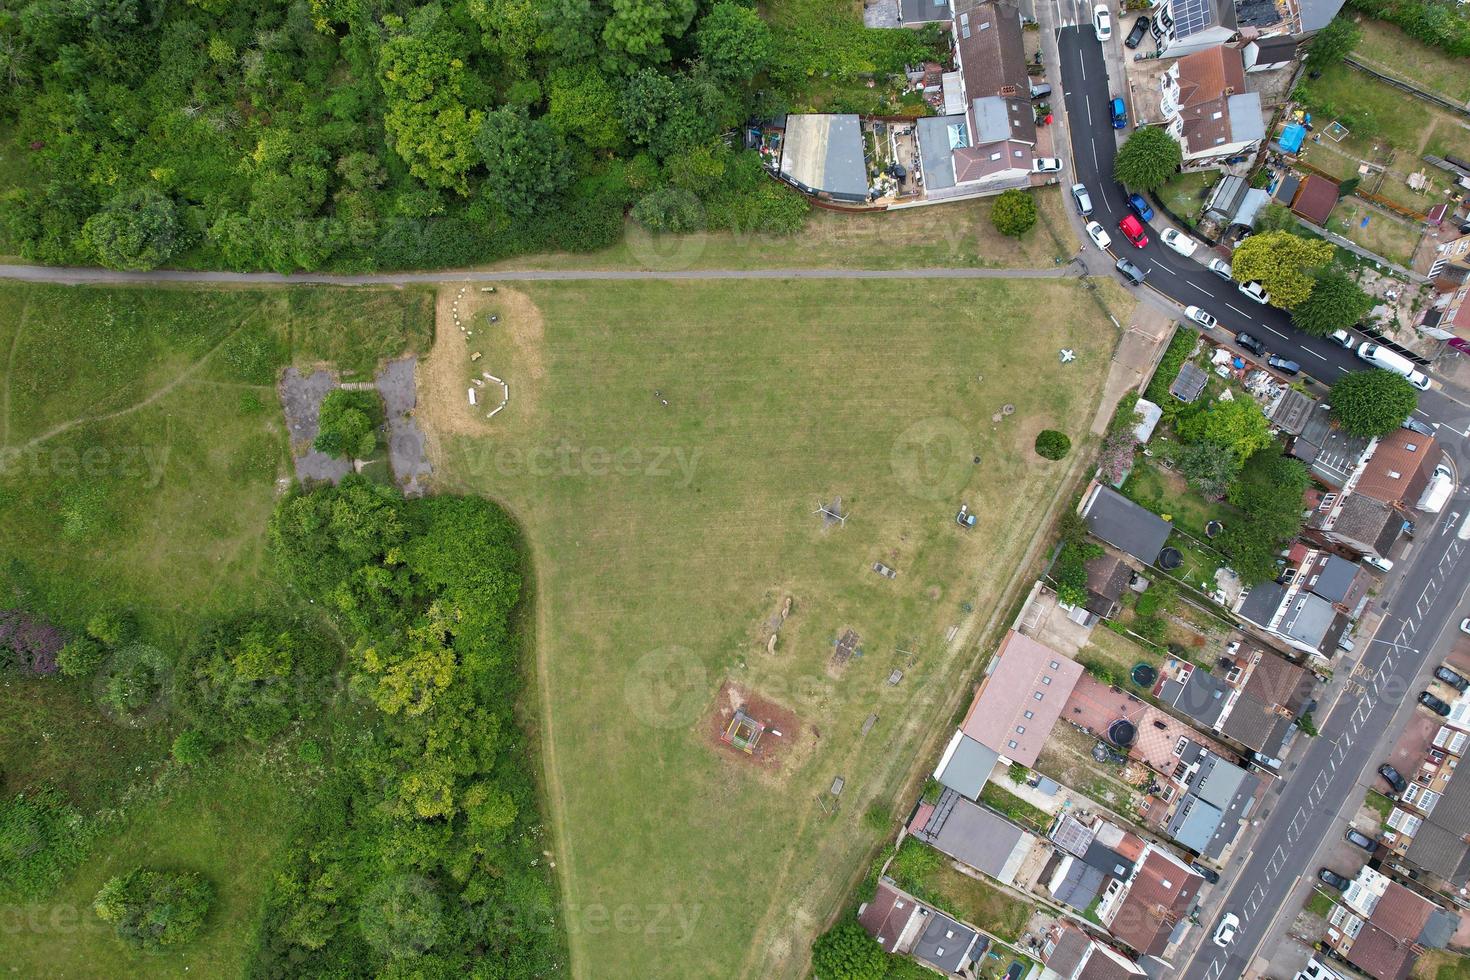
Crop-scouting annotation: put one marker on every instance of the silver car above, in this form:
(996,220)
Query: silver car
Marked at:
(1083,199)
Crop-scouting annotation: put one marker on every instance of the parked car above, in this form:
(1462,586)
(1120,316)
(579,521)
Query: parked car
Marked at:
(1254,291)
(1382,564)
(1434,704)
(1220,268)
(1200,316)
(1360,839)
(1140,207)
(1132,230)
(1099,237)
(1251,344)
(1083,199)
(1102,22)
(1451,678)
(1226,930)
(1465,626)
(1131,272)
(1393,778)
(1119,113)
(1414,425)
(1135,36)
(1342,339)
(1284,365)
(1046,165)
(1040,90)
(1178,241)
(1332,879)
(1207,873)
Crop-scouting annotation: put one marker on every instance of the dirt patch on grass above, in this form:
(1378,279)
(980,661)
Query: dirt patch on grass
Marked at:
(511,349)
(780,743)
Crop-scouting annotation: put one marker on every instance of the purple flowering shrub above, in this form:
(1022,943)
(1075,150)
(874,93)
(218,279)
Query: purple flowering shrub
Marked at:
(28,642)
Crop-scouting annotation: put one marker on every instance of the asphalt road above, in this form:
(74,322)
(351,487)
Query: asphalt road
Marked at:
(1427,592)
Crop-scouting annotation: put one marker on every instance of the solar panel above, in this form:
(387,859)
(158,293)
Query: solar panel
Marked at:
(1191,16)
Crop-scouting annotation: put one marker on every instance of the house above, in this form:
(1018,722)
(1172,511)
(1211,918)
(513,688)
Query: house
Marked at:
(1378,954)
(1219,796)
(823,154)
(973,835)
(901,924)
(905,13)
(1251,696)
(1399,469)
(1269,53)
(1125,525)
(1069,953)
(1329,453)
(1310,16)
(966,765)
(1404,914)
(1020,698)
(1343,583)
(1304,620)
(1108,577)
(988,145)
(1090,852)
(1436,822)
(1181,27)
(1356,522)
(1206,108)
(1315,199)
(1145,910)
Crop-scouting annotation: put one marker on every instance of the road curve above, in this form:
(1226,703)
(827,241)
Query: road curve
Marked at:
(77,276)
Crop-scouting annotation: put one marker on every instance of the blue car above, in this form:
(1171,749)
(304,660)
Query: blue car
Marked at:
(1120,114)
(1140,207)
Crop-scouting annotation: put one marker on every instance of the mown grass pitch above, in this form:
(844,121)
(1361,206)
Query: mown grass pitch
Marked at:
(666,537)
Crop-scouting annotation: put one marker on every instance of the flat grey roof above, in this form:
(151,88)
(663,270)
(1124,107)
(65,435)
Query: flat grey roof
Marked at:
(823,152)
(1189,382)
(1261,603)
(923,11)
(1126,526)
(1219,782)
(978,837)
(1335,579)
(992,120)
(969,767)
(1080,885)
(938,138)
(1202,697)
(1308,619)
(1194,823)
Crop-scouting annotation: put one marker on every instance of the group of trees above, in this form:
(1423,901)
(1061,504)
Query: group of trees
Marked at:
(420,852)
(284,135)
(1285,264)
(155,910)
(1439,25)
(348,423)
(1268,492)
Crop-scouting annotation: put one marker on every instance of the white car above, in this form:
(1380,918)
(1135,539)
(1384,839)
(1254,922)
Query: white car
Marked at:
(1179,241)
(1465,626)
(1102,22)
(1046,165)
(1382,564)
(1253,290)
(1219,267)
(1226,930)
(1200,316)
(1342,339)
(1099,237)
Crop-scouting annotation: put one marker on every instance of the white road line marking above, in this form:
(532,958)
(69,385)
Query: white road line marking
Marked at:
(1314,354)
(1272,329)
(1201,289)
(1095,164)
(1162,268)
(1241,312)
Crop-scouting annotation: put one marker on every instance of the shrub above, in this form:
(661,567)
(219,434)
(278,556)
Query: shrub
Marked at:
(42,836)
(81,657)
(847,952)
(1051,444)
(191,747)
(876,817)
(112,627)
(1014,213)
(155,910)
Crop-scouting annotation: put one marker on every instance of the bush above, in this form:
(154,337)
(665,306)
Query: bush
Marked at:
(113,627)
(81,657)
(1051,444)
(155,910)
(191,747)
(349,423)
(847,952)
(42,836)
(876,817)
(1014,213)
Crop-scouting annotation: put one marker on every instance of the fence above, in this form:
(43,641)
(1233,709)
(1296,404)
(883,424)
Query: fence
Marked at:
(1403,86)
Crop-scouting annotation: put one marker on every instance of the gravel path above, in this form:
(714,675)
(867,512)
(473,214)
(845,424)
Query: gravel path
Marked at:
(301,398)
(405,439)
(75,276)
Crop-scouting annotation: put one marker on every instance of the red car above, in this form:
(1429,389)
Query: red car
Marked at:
(1132,230)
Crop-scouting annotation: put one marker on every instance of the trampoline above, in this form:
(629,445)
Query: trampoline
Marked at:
(1170,559)
(1121,733)
(1144,675)
(1213,528)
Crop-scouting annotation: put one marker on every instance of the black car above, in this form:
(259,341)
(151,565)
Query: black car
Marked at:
(1361,839)
(1251,344)
(1283,365)
(1131,272)
(1395,780)
(1140,28)
(1208,874)
(1452,679)
(1434,704)
(1331,878)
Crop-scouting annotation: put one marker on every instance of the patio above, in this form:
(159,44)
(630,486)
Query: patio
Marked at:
(1095,706)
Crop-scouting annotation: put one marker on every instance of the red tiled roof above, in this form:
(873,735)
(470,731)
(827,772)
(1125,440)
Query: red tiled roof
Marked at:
(1400,468)
(1379,955)
(886,915)
(1158,897)
(1401,913)
(1315,199)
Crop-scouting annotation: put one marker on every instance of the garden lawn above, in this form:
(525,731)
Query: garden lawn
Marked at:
(1393,52)
(1183,194)
(665,537)
(1167,492)
(1393,238)
(951,235)
(1376,112)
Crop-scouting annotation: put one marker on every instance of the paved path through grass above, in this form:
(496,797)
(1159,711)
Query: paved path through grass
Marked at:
(72,276)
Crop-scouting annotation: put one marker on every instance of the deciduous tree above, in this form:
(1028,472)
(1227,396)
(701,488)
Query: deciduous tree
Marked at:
(1372,403)
(1336,302)
(525,161)
(1147,159)
(1013,213)
(1282,263)
(136,230)
(734,41)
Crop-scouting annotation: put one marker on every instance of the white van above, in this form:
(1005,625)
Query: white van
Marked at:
(1388,360)
(1441,487)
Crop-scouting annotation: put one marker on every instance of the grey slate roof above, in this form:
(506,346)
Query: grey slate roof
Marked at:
(1194,823)
(1262,602)
(1222,795)
(1438,931)
(944,942)
(1080,885)
(1202,697)
(1127,526)
(972,834)
(1336,579)
(1317,14)
(1310,621)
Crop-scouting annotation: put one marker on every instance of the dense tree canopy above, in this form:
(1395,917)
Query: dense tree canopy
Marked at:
(847,952)
(1269,493)
(1283,263)
(1336,303)
(1333,42)
(1147,159)
(1372,403)
(1235,423)
(1013,213)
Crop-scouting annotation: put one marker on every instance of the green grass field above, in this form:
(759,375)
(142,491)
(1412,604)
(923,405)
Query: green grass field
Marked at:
(143,442)
(664,537)
(1393,52)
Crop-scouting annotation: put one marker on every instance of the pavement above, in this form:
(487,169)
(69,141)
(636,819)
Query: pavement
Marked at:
(1371,699)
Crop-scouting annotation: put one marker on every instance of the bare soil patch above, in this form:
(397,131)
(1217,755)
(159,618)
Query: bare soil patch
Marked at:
(778,743)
